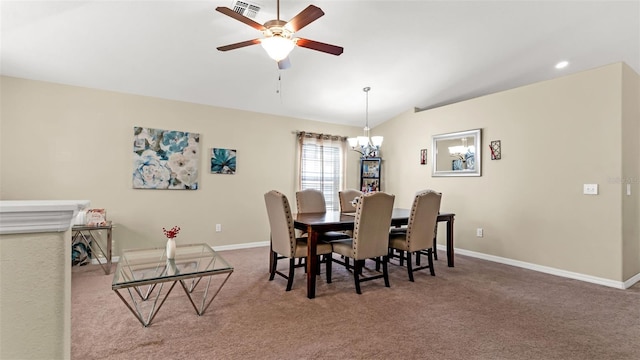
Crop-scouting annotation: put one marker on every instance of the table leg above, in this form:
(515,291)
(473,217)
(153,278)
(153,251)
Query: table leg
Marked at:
(312,262)
(450,242)
(109,251)
(270,254)
(206,300)
(138,310)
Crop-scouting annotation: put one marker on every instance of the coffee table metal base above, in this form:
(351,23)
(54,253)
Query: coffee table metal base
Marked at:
(137,296)
(149,277)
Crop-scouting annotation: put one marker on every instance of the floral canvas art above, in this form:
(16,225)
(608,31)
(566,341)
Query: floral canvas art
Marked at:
(223,161)
(165,159)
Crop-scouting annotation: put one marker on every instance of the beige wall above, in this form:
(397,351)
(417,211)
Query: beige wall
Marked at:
(35,301)
(556,136)
(64,142)
(630,172)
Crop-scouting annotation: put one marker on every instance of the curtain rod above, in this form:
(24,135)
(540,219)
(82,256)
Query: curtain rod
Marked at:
(316,135)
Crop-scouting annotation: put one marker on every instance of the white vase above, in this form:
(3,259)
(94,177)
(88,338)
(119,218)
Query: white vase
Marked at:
(171,267)
(171,248)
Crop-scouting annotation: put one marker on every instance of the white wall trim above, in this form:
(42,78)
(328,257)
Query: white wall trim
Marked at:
(36,216)
(102,261)
(629,283)
(552,271)
(240,246)
(521,264)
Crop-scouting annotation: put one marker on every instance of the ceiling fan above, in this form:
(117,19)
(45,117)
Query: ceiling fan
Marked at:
(278,38)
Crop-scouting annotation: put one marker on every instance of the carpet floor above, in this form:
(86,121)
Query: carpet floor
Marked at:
(476,310)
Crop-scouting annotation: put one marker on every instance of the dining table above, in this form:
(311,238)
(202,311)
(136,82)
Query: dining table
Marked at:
(318,223)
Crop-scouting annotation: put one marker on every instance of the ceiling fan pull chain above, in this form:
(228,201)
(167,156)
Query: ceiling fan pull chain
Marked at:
(279,91)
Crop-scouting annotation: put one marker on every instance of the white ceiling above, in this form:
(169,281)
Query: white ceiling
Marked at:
(411,53)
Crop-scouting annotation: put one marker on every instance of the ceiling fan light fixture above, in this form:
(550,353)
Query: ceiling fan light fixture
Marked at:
(277,47)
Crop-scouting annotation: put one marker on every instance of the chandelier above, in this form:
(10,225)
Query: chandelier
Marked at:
(366,145)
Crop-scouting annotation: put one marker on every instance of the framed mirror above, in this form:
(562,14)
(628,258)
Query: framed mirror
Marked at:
(457,154)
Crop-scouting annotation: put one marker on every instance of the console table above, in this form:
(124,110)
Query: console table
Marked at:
(85,233)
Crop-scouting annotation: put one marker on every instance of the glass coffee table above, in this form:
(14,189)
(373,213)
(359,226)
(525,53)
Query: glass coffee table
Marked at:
(148,276)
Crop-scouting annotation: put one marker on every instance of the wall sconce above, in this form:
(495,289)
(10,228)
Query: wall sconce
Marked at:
(496,151)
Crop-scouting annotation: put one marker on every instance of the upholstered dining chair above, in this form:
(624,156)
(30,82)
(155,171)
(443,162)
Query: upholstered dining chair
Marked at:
(312,201)
(370,236)
(403,229)
(284,243)
(418,237)
(346,197)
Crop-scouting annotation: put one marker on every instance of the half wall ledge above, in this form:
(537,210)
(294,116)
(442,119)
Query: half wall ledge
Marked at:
(35,216)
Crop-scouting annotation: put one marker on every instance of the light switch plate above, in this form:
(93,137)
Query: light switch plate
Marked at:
(590,189)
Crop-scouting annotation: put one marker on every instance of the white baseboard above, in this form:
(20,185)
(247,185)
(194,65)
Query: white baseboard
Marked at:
(525,265)
(240,246)
(552,271)
(631,281)
(102,260)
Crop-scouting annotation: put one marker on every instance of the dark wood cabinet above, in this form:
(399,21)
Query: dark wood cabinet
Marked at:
(370,174)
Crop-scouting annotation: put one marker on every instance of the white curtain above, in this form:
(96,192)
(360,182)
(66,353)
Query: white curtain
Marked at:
(322,165)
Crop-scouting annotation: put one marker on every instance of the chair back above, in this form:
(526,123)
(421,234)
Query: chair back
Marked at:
(310,201)
(423,220)
(283,238)
(372,222)
(346,197)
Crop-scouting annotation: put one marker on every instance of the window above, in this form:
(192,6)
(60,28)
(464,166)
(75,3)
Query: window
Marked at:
(322,166)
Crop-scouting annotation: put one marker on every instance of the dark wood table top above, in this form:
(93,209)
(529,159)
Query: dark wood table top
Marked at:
(336,218)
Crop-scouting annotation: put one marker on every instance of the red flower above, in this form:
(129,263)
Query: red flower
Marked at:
(170,234)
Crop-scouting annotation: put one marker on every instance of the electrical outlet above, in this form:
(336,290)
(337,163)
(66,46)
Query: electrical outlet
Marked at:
(479,232)
(218,227)
(590,189)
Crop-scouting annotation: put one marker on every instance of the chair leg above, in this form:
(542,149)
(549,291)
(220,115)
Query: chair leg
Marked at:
(328,267)
(435,243)
(292,263)
(358,264)
(401,257)
(409,267)
(385,270)
(430,259)
(274,264)
(417,258)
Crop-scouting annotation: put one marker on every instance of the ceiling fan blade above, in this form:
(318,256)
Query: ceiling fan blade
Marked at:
(316,45)
(304,18)
(239,45)
(284,64)
(241,18)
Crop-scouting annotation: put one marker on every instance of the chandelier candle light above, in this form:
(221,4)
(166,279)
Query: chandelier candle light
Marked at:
(171,242)
(367,146)
(460,152)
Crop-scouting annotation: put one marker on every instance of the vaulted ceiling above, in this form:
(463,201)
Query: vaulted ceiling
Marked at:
(413,54)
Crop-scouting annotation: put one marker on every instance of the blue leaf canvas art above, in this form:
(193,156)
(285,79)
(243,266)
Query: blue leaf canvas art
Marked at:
(165,159)
(223,161)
